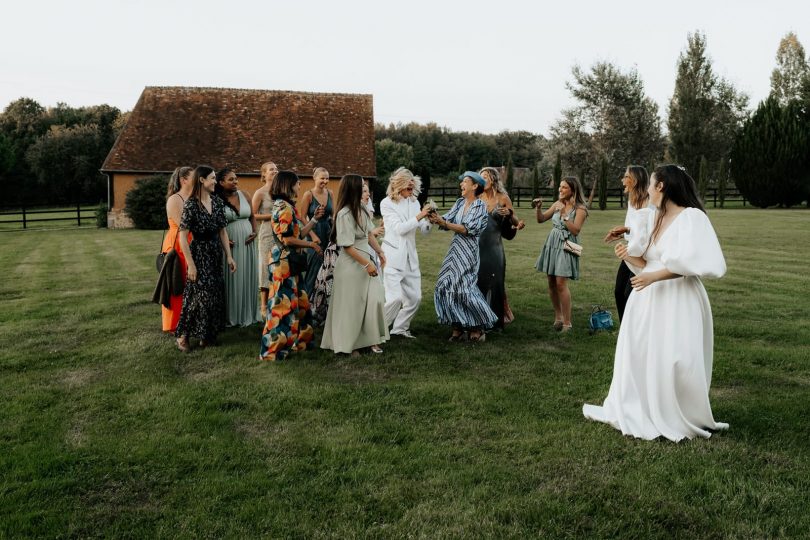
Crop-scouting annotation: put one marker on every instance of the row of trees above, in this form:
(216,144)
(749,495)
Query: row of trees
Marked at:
(709,130)
(53,156)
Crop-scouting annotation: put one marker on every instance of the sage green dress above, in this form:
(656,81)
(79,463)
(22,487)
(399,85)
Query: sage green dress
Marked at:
(554,260)
(356,318)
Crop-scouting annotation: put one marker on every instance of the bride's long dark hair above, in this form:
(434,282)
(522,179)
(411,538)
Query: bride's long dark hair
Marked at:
(678,187)
(350,193)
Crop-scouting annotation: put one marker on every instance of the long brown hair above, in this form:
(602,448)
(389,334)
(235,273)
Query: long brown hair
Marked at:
(200,172)
(350,191)
(678,187)
(638,195)
(576,188)
(282,186)
(174,180)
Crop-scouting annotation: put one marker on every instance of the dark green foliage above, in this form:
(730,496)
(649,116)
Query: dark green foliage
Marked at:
(705,112)
(101,216)
(557,175)
(703,178)
(437,150)
(604,167)
(462,164)
(146,202)
(770,161)
(510,175)
(68,159)
(53,155)
(536,180)
(722,183)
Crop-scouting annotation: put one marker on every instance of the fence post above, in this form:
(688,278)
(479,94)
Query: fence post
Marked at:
(714,197)
(25,225)
(518,195)
(443,192)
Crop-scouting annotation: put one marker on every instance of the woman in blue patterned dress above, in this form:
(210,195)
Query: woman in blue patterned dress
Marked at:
(459,302)
(567,216)
(288,327)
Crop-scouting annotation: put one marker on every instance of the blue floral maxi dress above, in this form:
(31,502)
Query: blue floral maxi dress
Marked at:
(458,299)
(288,327)
(554,260)
(203,312)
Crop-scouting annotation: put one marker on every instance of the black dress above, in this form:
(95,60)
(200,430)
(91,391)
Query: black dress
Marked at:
(203,313)
(492,270)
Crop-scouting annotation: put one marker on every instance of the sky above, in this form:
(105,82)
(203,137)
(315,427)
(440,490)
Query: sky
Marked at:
(467,65)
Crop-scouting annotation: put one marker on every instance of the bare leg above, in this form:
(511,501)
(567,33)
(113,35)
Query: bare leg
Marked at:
(564,296)
(555,298)
(263,294)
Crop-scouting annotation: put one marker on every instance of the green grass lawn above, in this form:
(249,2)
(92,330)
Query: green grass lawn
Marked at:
(106,430)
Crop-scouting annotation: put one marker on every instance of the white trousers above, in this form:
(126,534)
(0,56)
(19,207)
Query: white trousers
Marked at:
(403,294)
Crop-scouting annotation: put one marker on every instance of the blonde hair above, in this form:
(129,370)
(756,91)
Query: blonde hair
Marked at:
(265,167)
(495,178)
(399,180)
(318,170)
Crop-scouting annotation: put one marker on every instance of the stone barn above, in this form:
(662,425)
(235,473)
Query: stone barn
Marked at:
(240,129)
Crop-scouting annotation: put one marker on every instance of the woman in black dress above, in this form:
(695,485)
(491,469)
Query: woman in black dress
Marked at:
(203,313)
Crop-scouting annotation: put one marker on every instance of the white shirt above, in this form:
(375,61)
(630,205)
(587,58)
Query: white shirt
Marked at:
(399,244)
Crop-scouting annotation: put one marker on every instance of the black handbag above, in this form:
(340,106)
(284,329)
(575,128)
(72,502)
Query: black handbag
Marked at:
(296,260)
(160,260)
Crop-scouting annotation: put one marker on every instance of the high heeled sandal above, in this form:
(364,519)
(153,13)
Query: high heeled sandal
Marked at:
(182,345)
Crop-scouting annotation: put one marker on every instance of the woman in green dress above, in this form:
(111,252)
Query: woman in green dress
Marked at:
(241,300)
(356,318)
(567,216)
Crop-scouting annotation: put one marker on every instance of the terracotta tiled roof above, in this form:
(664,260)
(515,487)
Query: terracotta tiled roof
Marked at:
(172,126)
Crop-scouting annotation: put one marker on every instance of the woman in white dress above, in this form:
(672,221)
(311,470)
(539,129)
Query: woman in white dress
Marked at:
(636,184)
(663,365)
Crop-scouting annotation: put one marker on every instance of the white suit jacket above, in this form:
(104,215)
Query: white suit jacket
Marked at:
(399,244)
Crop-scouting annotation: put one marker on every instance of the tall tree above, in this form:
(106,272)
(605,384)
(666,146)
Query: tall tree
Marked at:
(703,178)
(613,108)
(603,181)
(790,71)
(557,175)
(705,112)
(770,162)
(510,174)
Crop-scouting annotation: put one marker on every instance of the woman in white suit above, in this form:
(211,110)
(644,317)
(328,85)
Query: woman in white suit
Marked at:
(402,216)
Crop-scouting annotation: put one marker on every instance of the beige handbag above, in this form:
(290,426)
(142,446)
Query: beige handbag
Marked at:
(572,247)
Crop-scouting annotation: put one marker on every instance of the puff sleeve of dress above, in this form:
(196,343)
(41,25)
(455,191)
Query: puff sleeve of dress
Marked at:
(691,247)
(639,236)
(345,228)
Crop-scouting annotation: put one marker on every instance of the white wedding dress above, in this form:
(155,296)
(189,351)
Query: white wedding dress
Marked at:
(663,365)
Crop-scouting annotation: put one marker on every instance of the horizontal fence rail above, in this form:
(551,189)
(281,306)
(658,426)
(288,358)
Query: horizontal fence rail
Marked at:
(445,196)
(23,216)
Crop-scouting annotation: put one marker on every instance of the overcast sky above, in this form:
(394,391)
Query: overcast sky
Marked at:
(468,65)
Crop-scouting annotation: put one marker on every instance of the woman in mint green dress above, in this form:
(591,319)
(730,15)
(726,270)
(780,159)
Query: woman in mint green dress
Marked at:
(567,216)
(241,298)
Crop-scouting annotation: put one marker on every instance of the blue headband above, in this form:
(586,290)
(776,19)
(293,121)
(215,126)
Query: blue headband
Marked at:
(475,177)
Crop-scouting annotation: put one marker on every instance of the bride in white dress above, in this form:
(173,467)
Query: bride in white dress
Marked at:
(663,365)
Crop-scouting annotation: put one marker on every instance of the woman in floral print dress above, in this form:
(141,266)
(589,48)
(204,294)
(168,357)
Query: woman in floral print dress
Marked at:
(203,312)
(288,327)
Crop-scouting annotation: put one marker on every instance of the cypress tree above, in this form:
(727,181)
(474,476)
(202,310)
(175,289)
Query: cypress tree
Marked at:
(722,181)
(462,164)
(510,175)
(603,178)
(536,181)
(703,178)
(770,161)
(557,176)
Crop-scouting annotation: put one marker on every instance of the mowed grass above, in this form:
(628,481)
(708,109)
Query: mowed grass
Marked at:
(106,430)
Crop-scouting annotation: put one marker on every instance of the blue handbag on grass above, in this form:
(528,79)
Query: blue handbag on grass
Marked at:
(600,319)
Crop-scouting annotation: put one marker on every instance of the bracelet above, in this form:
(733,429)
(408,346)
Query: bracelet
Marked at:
(366,266)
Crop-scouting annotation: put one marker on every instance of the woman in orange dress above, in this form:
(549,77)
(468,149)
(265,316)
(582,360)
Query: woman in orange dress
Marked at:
(180,187)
